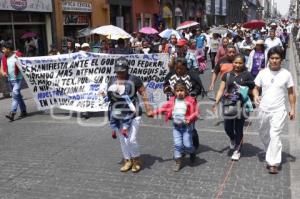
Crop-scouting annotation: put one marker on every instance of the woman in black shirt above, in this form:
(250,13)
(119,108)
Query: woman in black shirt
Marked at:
(233,125)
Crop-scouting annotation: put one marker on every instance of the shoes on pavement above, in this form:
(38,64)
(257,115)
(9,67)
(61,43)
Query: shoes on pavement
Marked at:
(273,170)
(11,116)
(23,114)
(232,144)
(136,165)
(236,155)
(127,165)
(178,164)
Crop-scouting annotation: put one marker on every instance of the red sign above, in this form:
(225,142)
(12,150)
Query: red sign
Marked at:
(18,4)
(76,19)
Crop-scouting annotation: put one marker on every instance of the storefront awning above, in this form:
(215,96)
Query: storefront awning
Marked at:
(167,13)
(28,5)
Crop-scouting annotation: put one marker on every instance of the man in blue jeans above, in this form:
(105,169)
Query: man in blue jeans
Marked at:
(14,76)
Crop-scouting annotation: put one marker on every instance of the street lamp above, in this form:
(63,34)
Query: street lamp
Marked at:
(245,8)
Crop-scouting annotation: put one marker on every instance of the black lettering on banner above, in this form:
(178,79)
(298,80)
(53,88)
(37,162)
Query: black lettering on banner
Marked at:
(32,81)
(44,88)
(93,71)
(144,71)
(163,72)
(79,64)
(86,104)
(52,66)
(94,62)
(61,102)
(41,75)
(68,82)
(98,79)
(35,89)
(148,64)
(44,82)
(71,90)
(131,62)
(43,103)
(108,62)
(64,73)
(160,64)
(83,80)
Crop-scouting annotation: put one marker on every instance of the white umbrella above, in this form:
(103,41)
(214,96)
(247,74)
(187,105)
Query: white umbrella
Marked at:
(219,30)
(112,32)
(168,32)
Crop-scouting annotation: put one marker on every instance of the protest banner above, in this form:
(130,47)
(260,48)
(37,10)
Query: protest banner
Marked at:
(73,81)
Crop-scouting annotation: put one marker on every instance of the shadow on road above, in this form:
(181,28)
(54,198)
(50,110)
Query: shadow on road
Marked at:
(286,157)
(149,160)
(205,148)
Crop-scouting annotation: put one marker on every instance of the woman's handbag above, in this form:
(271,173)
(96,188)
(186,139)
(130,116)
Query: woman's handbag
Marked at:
(230,107)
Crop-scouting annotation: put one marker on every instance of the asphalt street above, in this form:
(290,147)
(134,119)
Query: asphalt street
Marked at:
(57,155)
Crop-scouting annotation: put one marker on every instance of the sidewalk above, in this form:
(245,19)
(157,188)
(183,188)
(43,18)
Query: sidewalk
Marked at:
(294,131)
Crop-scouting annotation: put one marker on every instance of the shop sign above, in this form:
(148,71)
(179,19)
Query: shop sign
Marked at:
(27,5)
(76,19)
(75,6)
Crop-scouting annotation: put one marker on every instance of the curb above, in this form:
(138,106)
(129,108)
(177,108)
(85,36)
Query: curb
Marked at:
(293,127)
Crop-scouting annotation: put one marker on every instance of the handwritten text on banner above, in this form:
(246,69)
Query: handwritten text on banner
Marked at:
(73,81)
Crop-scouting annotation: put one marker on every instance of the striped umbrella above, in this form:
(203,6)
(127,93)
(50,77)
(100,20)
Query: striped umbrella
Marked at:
(187,24)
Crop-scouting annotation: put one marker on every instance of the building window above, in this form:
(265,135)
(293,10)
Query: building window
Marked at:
(5,16)
(139,23)
(21,17)
(36,17)
(147,22)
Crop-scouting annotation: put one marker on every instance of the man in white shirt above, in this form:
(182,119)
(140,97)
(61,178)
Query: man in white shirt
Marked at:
(274,81)
(272,41)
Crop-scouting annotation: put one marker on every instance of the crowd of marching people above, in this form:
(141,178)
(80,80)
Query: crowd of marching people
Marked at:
(247,62)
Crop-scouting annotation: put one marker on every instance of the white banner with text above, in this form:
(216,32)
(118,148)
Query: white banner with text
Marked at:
(73,81)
